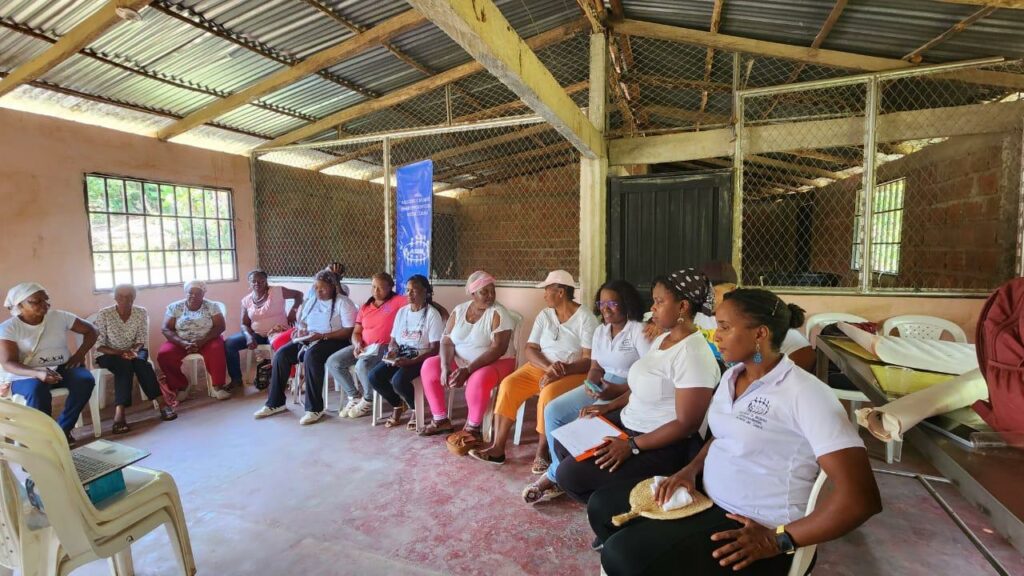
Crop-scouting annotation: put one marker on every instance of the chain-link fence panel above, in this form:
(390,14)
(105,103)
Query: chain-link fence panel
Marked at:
(306,219)
(947,180)
(938,209)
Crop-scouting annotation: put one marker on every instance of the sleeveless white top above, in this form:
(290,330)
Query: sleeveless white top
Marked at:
(471,340)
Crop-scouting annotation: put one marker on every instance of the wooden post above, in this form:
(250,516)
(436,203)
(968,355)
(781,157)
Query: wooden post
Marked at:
(594,180)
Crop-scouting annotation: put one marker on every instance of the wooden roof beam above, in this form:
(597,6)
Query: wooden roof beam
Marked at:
(390,99)
(482,31)
(83,34)
(716,21)
(915,55)
(1012,4)
(311,65)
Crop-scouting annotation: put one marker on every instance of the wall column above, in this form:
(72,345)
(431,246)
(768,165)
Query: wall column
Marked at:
(594,180)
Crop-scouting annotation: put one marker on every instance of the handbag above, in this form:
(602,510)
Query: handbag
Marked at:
(263,371)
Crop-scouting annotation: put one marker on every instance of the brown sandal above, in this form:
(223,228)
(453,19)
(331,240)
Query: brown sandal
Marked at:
(461,442)
(435,427)
(540,465)
(396,417)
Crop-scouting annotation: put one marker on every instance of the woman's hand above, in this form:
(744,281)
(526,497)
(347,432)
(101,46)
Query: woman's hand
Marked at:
(48,376)
(191,347)
(250,342)
(75,361)
(652,330)
(556,370)
(750,543)
(129,354)
(315,336)
(612,454)
(608,392)
(458,378)
(594,410)
(685,478)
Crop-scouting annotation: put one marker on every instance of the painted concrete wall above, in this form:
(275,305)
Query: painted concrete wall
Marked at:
(45,235)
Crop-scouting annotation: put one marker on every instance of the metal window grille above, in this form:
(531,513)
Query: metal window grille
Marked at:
(887,228)
(149,233)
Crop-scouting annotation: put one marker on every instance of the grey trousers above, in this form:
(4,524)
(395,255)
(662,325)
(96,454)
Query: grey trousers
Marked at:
(339,363)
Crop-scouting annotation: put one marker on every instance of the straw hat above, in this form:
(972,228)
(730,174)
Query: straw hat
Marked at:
(641,502)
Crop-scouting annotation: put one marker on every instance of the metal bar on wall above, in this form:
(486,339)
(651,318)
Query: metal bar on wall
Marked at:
(868,182)
(389,241)
(737,181)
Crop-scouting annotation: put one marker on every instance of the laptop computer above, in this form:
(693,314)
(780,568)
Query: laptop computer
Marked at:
(101,457)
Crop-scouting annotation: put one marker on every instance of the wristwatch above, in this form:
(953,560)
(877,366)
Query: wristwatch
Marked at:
(632,445)
(784,540)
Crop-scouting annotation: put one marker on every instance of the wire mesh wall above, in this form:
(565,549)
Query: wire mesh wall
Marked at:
(506,200)
(940,151)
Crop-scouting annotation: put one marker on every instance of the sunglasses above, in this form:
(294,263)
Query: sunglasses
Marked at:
(608,305)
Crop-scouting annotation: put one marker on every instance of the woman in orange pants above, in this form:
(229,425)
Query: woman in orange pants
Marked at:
(558,358)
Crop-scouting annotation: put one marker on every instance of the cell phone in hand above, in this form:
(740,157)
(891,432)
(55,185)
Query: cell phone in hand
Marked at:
(596,388)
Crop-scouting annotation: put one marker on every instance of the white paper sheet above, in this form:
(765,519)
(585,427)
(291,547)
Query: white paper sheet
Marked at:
(584,434)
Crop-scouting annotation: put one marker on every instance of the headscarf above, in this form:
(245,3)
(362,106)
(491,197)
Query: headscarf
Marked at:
(478,280)
(17,294)
(195,284)
(695,287)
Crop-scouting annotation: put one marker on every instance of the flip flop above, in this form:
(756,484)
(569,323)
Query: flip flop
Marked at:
(540,466)
(479,455)
(534,494)
(120,428)
(433,429)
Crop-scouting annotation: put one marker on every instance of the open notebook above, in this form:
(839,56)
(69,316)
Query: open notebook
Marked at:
(583,436)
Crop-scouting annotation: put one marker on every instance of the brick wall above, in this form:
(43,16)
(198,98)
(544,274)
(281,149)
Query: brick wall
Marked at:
(522,228)
(959,221)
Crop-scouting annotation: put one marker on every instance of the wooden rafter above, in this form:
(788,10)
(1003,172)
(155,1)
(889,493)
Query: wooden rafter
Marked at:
(800,169)
(390,99)
(709,59)
(669,82)
(511,161)
(481,29)
(594,13)
(915,55)
(311,65)
(1013,4)
(83,34)
(695,116)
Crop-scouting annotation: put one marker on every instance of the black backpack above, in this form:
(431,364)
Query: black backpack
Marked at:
(263,375)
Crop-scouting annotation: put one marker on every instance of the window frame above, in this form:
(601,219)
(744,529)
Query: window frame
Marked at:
(857,247)
(142,183)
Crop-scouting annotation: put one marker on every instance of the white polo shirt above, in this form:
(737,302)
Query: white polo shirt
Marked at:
(562,341)
(793,342)
(616,355)
(653,380)
(763,461)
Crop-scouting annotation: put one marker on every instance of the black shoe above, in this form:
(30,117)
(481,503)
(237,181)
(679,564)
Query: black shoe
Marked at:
(597,545)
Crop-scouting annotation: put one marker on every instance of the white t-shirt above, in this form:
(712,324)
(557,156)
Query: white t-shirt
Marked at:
(325,316)
(616,355)
(793,342)
(653,380)
(52,335)
(471,340)
(417,329)
(562,342)
(763,461)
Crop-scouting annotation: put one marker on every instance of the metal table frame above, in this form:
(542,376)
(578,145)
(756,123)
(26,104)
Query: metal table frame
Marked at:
(975,475)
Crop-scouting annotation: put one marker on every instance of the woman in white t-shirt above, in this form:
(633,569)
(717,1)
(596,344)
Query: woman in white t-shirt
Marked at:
(670,388)
(558,358)
(415,336)
(34,354)
(772,426)
(323,327)
(618,343)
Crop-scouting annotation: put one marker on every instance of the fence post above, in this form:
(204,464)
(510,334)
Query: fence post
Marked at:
(594,180)
(737,182)
(389,241)
(868,182)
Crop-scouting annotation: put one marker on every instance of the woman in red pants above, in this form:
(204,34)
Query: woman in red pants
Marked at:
(193,326)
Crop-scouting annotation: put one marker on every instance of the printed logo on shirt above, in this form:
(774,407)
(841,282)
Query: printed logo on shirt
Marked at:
(626,345)
(756,412)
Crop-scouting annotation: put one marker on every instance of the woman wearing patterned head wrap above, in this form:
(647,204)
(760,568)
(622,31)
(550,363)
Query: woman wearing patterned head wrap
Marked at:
(670,390)
(192,325)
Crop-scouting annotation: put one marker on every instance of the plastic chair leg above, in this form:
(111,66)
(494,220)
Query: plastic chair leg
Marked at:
(517,438)
(121,563)
(94,413)
(327,388)
(854,406)
(421,408)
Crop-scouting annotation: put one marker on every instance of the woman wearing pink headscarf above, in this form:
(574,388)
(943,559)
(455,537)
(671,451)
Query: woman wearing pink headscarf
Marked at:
(475,354)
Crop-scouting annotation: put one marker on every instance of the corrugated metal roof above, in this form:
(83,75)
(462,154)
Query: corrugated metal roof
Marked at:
(54,16)
(16,49)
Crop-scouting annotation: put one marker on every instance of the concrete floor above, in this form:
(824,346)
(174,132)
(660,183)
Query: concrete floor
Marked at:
(270,498)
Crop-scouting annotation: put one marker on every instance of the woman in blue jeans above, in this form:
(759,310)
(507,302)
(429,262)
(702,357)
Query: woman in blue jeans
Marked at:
(618,343)
(263,311)
(34,354)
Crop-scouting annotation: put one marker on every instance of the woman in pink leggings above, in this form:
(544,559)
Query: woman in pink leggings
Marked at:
(475,354)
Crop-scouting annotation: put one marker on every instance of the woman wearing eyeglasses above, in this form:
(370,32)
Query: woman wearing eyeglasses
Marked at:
(618,343)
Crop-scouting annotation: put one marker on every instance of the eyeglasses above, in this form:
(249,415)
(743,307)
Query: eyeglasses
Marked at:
(608,305)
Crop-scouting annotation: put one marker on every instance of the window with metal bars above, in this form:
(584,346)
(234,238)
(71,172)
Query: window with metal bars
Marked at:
(158,234)
(886,228)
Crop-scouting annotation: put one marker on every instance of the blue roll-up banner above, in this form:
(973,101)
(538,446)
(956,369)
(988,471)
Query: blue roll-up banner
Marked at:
(414,211)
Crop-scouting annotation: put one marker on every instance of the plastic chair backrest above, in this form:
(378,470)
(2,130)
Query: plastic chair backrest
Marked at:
(814,324)
(41,450)
(223,308)
(11,511)
(804,556)
(923,328)
(517,319)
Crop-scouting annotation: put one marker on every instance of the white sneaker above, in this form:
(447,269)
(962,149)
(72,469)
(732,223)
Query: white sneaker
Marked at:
(364,408)
(310,418)
(221,394)
(265,411)
(352,403)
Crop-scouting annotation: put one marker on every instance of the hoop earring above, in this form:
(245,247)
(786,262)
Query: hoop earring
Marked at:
(757,354)
(680,320)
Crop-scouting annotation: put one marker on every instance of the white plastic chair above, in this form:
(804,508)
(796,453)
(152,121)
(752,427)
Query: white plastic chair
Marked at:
(803,556)
(814,323)
(78,531)
(197,359)
(923,327)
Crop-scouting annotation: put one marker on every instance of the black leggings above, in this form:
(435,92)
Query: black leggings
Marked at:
(395,384)
(124,370)
(645,547)
(581,479)
(313,365)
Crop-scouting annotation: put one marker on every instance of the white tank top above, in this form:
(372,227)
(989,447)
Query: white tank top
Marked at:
(473,339)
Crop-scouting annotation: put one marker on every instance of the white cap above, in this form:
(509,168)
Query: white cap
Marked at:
(557,277)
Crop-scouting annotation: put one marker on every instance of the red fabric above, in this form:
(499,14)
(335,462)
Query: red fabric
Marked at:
(170,356)
(282,339)
(1000,344)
